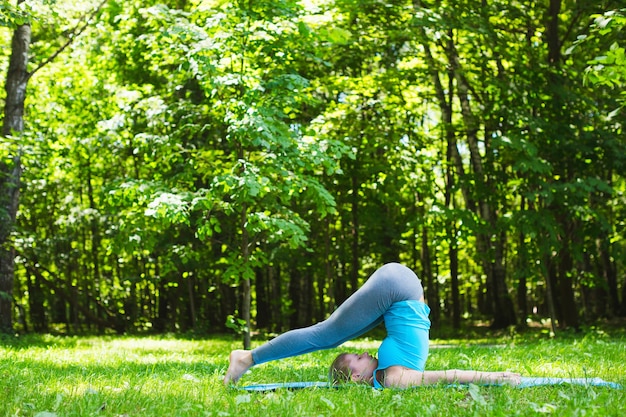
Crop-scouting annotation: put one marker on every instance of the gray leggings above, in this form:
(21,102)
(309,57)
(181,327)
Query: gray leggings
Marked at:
(361,312)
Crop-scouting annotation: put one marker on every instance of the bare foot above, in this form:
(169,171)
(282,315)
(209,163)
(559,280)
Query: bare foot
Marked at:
(240,362)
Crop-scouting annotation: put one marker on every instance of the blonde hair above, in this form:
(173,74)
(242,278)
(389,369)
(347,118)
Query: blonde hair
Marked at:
(340,372)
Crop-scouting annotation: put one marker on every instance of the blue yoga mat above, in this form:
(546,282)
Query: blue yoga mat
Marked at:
(286,385)
(526,382)
(537,381)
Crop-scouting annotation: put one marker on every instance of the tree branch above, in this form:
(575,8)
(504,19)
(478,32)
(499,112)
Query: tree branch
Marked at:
(80,27)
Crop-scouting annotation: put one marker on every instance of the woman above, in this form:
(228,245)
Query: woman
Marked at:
(362,368)
(393,294)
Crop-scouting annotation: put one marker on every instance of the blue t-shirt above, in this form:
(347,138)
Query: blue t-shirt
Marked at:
(406,343)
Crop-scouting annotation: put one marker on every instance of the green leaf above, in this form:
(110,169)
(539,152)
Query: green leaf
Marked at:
(474,391)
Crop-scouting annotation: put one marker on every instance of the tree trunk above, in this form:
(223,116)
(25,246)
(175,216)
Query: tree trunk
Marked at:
(320,310)
(307,298)
(453,254)
(36,304)
(522,303)
(431,290)
(163,307)
(622,310)
(550,272)
(454,166)
(9,199)
(191,294)
(569,313)
(246,305)
(354,271)
(276,292)
(521,262)
(454,284)
(609,273)
(504,310)
(490,246)
(295,291)
(263,298)
(552,33)
(10,173)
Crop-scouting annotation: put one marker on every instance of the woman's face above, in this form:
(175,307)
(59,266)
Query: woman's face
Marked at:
(362,366)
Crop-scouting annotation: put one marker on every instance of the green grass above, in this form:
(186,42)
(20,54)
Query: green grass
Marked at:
(48,376)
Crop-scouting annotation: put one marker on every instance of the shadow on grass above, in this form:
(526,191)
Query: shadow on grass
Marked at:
(532,331)
(45,340)
(166,368)
(36,340)
(470,332)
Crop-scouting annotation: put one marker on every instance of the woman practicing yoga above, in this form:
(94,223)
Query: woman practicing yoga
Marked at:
(393,294)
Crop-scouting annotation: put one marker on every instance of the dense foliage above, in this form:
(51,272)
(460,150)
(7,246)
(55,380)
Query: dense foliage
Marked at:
(196,165)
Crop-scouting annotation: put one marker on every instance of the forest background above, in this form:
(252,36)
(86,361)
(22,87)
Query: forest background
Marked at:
(194,166)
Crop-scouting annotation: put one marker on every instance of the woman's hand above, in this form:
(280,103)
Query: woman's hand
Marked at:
(509,378)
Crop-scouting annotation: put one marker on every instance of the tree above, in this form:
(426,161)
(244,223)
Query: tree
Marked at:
(196,164)
(11,171)
(16,84)
(608,70)
(262,163)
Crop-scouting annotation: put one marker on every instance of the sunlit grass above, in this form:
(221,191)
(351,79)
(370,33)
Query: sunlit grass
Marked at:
(48,376)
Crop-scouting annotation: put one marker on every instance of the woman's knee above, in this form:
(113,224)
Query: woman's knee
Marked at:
(401,280)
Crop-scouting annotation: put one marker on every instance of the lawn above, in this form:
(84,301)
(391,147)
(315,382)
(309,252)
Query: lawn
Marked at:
(48,376)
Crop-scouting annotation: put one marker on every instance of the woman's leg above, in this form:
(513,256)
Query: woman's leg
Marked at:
(361,312)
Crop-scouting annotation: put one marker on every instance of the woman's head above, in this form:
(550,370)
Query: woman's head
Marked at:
(353,367)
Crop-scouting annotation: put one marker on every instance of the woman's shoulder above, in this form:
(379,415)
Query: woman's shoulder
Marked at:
(398,376)
(399,370)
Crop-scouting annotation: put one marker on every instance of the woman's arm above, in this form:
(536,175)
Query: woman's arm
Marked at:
(401,377)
